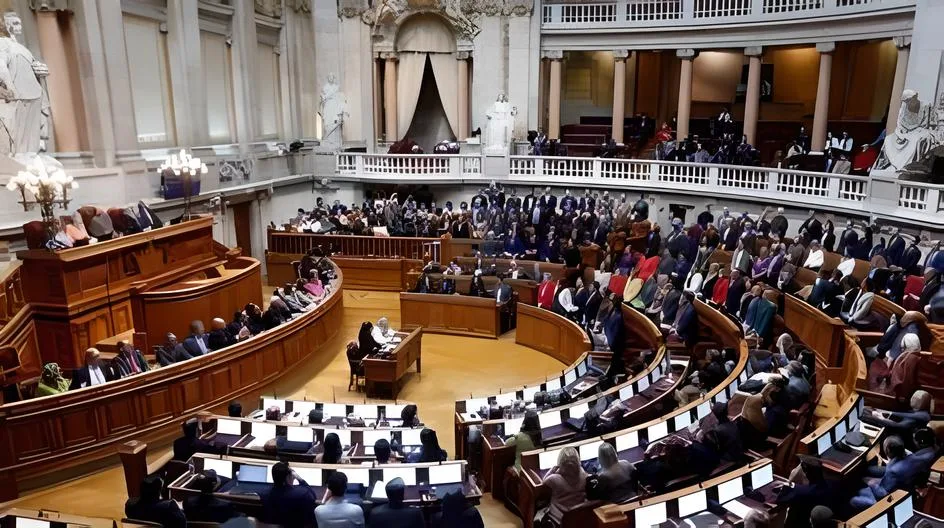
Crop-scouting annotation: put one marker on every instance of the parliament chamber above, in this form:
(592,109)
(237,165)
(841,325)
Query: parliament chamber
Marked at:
(449,264)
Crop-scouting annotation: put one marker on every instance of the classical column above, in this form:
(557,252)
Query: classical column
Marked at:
(898,85)
(378,98)
(752,98)
(619,93)
(60,84)
(390,96)
(685,91)
(463,93)
(554,94)
(821,113)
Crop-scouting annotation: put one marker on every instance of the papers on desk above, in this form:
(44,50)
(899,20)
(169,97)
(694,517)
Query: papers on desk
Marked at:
(738,508)
(396,340)
(468,417)
(582,386)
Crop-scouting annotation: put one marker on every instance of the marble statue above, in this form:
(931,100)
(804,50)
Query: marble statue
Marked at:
(501,123)
(24,108)
(917,133)
(333,108)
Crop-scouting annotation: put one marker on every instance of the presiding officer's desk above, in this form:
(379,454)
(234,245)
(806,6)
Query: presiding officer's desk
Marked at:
(420,480)
(332,413)
(388,368)
(257,439)
(68,293)
(451,314)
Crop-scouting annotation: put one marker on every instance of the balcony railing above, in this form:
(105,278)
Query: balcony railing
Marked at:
(894,199)
(622,13)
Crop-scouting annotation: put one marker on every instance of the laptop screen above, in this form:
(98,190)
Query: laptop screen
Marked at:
(23,522)
(445,474)
(229,427)
(552,384)
(252,473)
(581,369)
(407,474)
(299,434)
(357,475)
(334,410)
(312,476)
(410,437)
(505,399)
(692,503)
(303,408)
(589,451)
(550,419)
(627,441)
(223,468)
(263,431)
(570,377)
(366,411)
(371,437)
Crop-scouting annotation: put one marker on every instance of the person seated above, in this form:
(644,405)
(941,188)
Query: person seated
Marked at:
(95,372)
(254,319)
(567,482)
(234,410)
(365,340)
(890,346)
(314,287)
(171,351)
(503,292)
(896,474)
(904,375)
(238,327)
(761,265)
(205,507)
(395,514)
(335,511)
(290,501)
(219,338)
(287,295)
(332,451)
(382,333)
(526,439)
(197,343)
(429,450)
(51,381)
(457,513)
(514,272)
(814,260)
(302,296)
(903,423)
(130,360)
(615,479)
(190,442)
(408,416)
(477,286)
(811,490)
(383,453)
(861,307)
(277,313)
(737,287)
(150,507)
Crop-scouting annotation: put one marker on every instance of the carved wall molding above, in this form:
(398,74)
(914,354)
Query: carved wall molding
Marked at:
(50,5)
(269,8)
(299,6)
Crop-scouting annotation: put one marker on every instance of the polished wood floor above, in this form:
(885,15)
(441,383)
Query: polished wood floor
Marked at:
(453,367)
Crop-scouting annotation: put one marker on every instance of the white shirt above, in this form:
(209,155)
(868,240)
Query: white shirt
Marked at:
(566,300)
(694,282)
(815,259)
(379,336)
(846,267)
(96,376)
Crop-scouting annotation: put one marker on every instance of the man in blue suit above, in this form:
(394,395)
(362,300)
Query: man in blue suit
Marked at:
(197,344)
(286,503)
(901,472)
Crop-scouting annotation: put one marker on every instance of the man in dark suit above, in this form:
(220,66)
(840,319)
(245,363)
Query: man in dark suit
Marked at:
(190,442)
(503,292)
(592,304)
(736,290)
(150,507)
(205,507)
(219,338)
(172,351)
(197,344)
(95,372)
(130,360)
(286,503)
(394,514)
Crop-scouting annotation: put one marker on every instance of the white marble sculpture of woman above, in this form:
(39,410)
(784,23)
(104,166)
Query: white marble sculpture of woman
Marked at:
(914,134)
(501,121)
(333,111)
(23,105)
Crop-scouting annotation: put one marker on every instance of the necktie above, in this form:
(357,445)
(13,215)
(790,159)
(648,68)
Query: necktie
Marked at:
(134,363)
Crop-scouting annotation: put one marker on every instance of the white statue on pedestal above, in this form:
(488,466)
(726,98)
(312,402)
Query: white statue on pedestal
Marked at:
(24,107)
(915,135)
(501,124)
(333,111)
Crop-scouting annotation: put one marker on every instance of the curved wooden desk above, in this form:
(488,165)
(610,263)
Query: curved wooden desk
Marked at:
(547,332)
(451,314)
(79,427)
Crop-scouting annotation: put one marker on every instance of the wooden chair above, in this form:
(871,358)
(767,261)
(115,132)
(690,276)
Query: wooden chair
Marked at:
(354,362)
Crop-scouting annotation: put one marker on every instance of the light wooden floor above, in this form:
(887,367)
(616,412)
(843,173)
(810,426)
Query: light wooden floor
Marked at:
(453,367)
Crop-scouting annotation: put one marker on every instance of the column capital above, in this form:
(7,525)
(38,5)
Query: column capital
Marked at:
(825,47)
(389,55)
(902,42)
(50,5)
(754,51)
(553,54)
(686,53)
(463,55)
(621,54)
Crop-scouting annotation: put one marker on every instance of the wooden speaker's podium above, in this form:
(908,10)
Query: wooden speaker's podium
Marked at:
(80,296)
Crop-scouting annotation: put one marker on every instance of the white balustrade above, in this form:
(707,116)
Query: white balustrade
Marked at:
(648,10)
(723,8)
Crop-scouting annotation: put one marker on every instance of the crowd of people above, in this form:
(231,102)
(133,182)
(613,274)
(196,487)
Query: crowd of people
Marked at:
(286,303)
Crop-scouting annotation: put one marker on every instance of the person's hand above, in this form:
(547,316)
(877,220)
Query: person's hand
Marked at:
(326,497)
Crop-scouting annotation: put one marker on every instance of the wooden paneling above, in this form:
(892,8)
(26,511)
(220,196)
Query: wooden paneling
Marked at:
(48,434)
(821,333)
(450,314)
(551,334)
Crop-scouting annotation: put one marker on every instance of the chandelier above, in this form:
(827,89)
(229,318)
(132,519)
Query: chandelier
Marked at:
(44,182)
(187,166)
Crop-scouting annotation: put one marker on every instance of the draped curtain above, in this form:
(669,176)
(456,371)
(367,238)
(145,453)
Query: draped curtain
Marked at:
(421,37)
(446,71)
(409,82)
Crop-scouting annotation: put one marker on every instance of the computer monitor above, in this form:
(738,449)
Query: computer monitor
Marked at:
(312,476)
(839,432)
(652,515)
(371,437)
(627,441)
(703,409)
(549,419)
(303,408)
(693,503)
(853,420)
(407,474)
(24,522)
(410,437)
(513,425)
(589,451)
(229,427)
(475,404)
(505,399)
(577,411)
(393,412)
(658,430)
(904,510)
(445,474)
(762,476)
(529,393)
(642,384)
(581,370)
(357,475)
(366,411)
(730,490)
(344,435)
(223,468)
(722,396)
(272,402)
(823,443)
(626,393)
(263,431)
(569,377)
(548,459)
(334,410)
(299,434)
(552,384)
(683,420)
(253,473)
(879,522)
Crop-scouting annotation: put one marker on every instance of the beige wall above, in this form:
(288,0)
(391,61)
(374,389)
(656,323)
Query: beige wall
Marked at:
(716,76)
(587,85)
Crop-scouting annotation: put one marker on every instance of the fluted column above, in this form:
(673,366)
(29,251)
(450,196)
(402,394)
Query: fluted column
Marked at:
(898,85)
(554,94)
(463,93)
(619,93)
(390,96)
(821,112)
(752,98)
(685,91)
(63,110)
(378,98)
